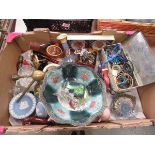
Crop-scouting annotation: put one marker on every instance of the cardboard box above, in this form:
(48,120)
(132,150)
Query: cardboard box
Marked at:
(8,60)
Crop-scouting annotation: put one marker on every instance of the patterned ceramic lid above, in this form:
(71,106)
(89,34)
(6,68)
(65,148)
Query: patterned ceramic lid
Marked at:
(24,108)
(73,94)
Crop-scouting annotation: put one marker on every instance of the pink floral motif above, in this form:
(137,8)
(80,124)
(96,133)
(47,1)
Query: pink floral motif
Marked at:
(92,104)
(60,111)
(84,76)
(55,79)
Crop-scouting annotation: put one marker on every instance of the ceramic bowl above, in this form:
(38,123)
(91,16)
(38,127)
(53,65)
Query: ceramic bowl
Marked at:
(73,94)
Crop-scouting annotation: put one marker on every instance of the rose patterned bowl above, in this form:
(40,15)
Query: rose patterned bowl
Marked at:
(73,94)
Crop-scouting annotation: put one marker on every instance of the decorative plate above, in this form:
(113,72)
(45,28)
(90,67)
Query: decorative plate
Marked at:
(73,94)
(24,108)
(123,106)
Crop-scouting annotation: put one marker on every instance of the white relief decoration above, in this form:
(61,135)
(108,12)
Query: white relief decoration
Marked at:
(23,105)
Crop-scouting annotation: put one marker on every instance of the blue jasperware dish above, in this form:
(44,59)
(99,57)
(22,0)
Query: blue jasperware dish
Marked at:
(73,94)
(24,108)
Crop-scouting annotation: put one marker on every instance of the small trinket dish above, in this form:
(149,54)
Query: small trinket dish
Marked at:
(73,94)
(123,106)
(24,108)
(54,51)
(41,111)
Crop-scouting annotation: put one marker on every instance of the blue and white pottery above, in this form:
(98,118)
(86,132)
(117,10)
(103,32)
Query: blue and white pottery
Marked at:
(73,94)
(41,111)
(24,108)
(123,106)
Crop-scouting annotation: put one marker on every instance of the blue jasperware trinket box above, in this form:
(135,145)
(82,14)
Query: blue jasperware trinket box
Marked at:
(73,94)
(41,111)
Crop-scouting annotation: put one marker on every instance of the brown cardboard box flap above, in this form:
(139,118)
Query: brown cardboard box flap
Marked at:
(37,129)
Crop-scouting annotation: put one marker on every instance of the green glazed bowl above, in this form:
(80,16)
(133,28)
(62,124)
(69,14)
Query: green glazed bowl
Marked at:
(73,94)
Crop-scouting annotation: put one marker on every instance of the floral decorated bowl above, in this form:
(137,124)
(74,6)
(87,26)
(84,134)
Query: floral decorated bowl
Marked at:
(73,94)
